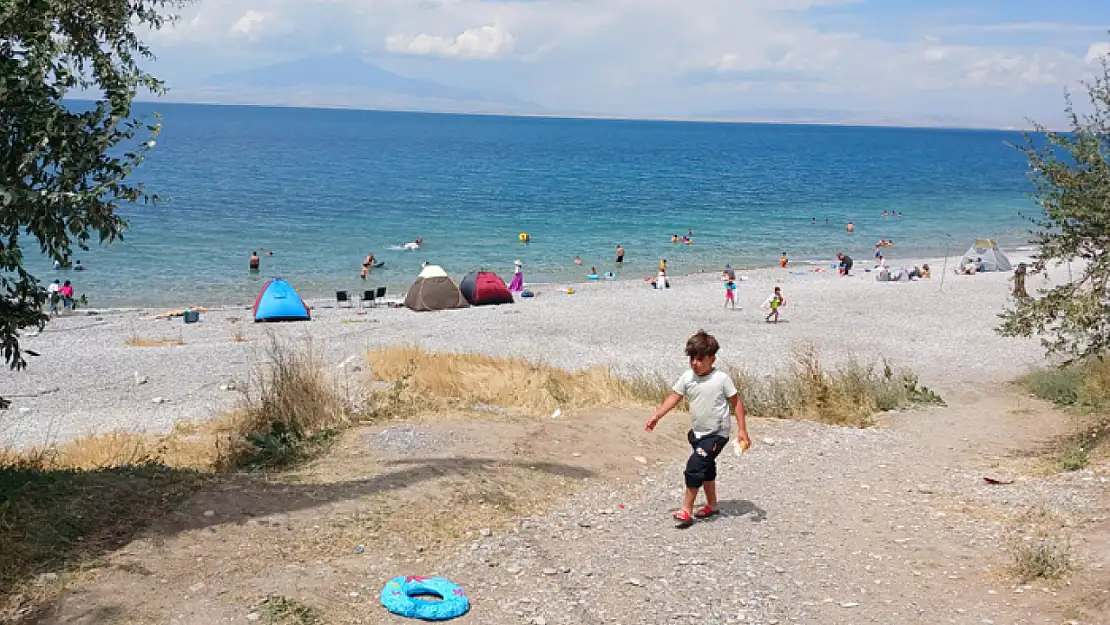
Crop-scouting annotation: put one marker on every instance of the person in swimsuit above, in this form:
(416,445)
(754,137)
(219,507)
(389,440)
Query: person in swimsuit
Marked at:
(254,261)
(620,255)
(775,302)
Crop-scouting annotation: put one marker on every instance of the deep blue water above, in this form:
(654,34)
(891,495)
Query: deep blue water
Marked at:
(322,188)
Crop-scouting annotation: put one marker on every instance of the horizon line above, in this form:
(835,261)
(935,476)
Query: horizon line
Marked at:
(597,116)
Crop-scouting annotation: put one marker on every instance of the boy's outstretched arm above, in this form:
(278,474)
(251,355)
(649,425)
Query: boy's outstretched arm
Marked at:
(741,421)
(669,403)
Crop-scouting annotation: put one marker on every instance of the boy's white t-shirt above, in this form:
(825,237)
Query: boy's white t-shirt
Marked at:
(708,396)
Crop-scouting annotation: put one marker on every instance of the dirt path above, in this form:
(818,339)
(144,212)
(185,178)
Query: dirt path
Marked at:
(819,525)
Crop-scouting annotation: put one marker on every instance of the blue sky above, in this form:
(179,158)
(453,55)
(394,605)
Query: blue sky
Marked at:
(991,61)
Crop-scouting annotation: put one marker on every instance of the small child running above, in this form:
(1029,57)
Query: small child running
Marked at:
(730,293)
(710,392)
(776,301)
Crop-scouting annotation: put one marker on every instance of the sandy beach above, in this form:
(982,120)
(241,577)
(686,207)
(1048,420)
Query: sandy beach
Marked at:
(88,380)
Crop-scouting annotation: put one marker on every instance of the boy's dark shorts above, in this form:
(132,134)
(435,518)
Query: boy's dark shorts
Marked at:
(702,465)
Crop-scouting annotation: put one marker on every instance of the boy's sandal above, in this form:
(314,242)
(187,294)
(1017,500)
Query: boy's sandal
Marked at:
(683,517)
(705,512)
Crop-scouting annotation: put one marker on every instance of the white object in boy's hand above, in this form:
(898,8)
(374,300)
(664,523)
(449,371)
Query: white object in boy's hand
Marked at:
(737,448)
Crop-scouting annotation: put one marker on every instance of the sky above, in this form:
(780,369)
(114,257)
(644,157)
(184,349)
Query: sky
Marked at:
(995,61)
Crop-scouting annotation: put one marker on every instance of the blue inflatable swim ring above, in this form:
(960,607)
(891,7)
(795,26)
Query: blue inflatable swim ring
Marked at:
(397,597)
(592,276)
(610,276)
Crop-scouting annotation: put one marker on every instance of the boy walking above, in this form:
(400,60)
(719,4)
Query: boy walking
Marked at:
(711,393)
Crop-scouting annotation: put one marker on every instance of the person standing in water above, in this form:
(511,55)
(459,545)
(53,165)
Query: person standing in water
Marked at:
(255,262)
(620,256)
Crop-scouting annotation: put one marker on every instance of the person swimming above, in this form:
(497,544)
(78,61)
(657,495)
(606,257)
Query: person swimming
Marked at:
(414,245)
(577,260)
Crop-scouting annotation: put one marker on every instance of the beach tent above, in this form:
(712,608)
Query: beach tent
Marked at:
(434,290)
(277,301)
(993,258)
(482,288)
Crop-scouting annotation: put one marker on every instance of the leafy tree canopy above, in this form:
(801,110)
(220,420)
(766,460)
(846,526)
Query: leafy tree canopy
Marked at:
(1071,174)
(64,169)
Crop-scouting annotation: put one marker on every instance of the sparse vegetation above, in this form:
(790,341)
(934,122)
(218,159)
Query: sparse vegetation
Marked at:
(851,394)
(276,609)
(422,381)
(136,340)
(1084,387)
(1047,558)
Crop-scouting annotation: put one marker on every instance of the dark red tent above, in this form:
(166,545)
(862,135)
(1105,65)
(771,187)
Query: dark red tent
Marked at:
(485,287)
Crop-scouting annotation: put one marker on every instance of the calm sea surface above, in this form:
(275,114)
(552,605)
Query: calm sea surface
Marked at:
(322,188)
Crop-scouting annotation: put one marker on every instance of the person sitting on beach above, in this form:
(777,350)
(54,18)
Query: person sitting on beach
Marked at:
(845,263)
(776,301)
(254,261)
(925,271)
(660,281)
(783,261)
(66,291)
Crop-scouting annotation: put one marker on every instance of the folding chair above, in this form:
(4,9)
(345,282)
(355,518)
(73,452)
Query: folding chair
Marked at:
(381,293)
(367,296)
(340,297)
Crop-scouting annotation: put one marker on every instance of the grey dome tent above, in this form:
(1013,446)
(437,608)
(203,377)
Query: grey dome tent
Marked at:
(434,290)
(993,258)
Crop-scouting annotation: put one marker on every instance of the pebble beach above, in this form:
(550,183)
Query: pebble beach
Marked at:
(88,380)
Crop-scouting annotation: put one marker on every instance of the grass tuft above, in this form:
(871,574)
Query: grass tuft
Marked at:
(1084,388)
(851,394)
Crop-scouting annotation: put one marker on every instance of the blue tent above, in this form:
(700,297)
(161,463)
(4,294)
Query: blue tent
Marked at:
(277,301)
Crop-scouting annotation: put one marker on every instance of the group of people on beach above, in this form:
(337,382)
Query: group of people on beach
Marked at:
(60,293)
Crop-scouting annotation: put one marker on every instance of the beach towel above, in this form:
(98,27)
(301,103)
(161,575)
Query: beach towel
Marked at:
(517,284)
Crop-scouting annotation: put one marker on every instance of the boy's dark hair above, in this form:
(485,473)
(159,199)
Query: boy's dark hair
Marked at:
(701,345)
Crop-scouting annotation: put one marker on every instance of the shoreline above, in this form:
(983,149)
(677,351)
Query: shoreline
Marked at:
(1016,254)
(90,377)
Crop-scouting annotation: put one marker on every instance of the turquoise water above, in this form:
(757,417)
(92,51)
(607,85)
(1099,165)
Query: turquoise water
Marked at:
(322,188)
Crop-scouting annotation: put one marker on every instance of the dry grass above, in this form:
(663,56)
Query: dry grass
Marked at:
(423,381)
(427,382)
(67,504)
(1083,387)
(851,394)
(138,341)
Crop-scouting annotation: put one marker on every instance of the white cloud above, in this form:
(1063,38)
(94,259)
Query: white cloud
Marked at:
(482,42)
(635,55)
(248,23)
(1098,51)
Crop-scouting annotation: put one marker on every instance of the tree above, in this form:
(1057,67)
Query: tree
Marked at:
(64,167)
(1071,175)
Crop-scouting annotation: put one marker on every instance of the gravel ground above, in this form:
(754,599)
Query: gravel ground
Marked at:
(818,525)
(87,380)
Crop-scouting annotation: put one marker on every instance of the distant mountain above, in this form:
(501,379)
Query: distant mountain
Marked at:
(842,116)
(343,80)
